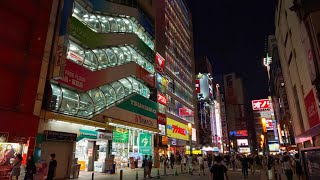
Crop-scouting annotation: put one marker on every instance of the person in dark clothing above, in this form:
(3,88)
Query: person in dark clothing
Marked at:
(172,161)
(218,170)
(31,169)
(52,167)
(150,163)
(244,164)
(209,160)
(227,157)
(298,167)
(145,166)
(251,164)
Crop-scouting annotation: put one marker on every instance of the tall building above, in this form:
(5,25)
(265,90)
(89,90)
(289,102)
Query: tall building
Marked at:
(299,56)
(99,98)
(174,44)
(237,113)
(24,50)
(279,98)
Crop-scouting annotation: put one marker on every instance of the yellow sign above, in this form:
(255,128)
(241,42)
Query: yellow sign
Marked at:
(177,130)
(194,152)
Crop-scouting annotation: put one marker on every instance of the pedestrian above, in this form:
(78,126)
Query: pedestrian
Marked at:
(244,165)
(218,170)
(298,167)
(233,162)
(287,167)
(145,166)
(172,161)
(52,167)
(31,168)
(201,164)
(184,161)
(251,163)
(227,157)
(15,168)
(258,162)
(150,163)
(270,166)
(209,160)
(190,161)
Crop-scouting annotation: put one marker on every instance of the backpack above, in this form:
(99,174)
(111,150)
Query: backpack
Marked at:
(298,167)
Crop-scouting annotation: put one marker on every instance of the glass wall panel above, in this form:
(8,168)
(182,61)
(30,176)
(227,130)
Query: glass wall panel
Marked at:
(127,54)
(86,107)
(70,102)
(121,24)
(75,52)
(111,56)
(135,84)
(90,61)
(105,25)
(119,54)
(128,25)
(127,85)
(120,92)
(113,24)
(134,54)
(94,23)
(98,98)
(79,12)
(109,93)
(102,58)
(56,97)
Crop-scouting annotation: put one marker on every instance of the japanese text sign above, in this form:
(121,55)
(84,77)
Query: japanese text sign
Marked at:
(160,62)
(260,104)
(177,130)
(162,99)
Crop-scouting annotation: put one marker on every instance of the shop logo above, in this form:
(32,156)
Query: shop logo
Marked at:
(179,130)
(162,99)
(141,120)
(145,141)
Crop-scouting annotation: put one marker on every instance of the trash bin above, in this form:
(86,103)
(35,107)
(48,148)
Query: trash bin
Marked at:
(75,171)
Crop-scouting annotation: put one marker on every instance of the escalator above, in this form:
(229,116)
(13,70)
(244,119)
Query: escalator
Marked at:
(90,103)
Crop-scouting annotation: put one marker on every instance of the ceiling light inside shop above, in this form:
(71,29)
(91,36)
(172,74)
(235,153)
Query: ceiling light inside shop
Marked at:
(131,128)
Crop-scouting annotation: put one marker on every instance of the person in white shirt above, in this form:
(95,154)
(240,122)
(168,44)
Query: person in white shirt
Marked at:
(201,164)
(184,161)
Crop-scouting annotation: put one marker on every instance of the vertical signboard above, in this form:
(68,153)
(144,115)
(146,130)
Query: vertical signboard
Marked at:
(145,144)
(160,62)
(312,109)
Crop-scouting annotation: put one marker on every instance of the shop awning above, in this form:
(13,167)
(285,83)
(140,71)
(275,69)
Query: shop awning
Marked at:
(70,119)
(128,125)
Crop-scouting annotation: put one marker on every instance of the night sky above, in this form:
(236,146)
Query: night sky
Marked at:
(232,34)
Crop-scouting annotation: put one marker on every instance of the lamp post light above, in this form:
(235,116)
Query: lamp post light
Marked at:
(190,137)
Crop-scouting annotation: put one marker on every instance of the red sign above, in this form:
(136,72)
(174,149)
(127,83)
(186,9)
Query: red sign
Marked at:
(311,107)
(160,61)
(161,118)
(147,77)
(242,133)
(179,130)
(184,112)
(162,99)
(197,86)
(260,104)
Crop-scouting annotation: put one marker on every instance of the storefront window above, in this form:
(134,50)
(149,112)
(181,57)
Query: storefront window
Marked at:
(56,97)
(86,106)
(98,98)
(75,52)
(70,102)
(120,92)
(90,61)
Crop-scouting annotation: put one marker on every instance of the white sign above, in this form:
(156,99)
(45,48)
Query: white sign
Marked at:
(162,129)
(265,114)
(194,134)
(104,136)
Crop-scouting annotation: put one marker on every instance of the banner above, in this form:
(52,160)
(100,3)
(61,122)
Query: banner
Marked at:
(120,135)
(177,130)
(145,144)
(89,134)
(312,109)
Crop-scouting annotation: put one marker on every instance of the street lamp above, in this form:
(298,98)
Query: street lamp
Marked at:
(190,137)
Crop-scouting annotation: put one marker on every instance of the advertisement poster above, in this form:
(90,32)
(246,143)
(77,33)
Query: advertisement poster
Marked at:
(311,107)
(145,144)
(7,152)
(177,130)
(120,135)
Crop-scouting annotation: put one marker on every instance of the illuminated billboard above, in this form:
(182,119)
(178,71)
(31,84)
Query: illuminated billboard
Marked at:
(204,88)
(242,142)
(261,104)
(177,130)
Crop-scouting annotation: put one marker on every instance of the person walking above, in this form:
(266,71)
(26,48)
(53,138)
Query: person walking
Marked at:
(15,169)
(30,168)
(251,164)
(298,167)
(52,167)
(244,165)
(172,161)
(184,161)
(209,160)
(190,161)
(233,162)
(218,170)
(270,166)
(145,166)
(201,164)
(287,167)
(150,163)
